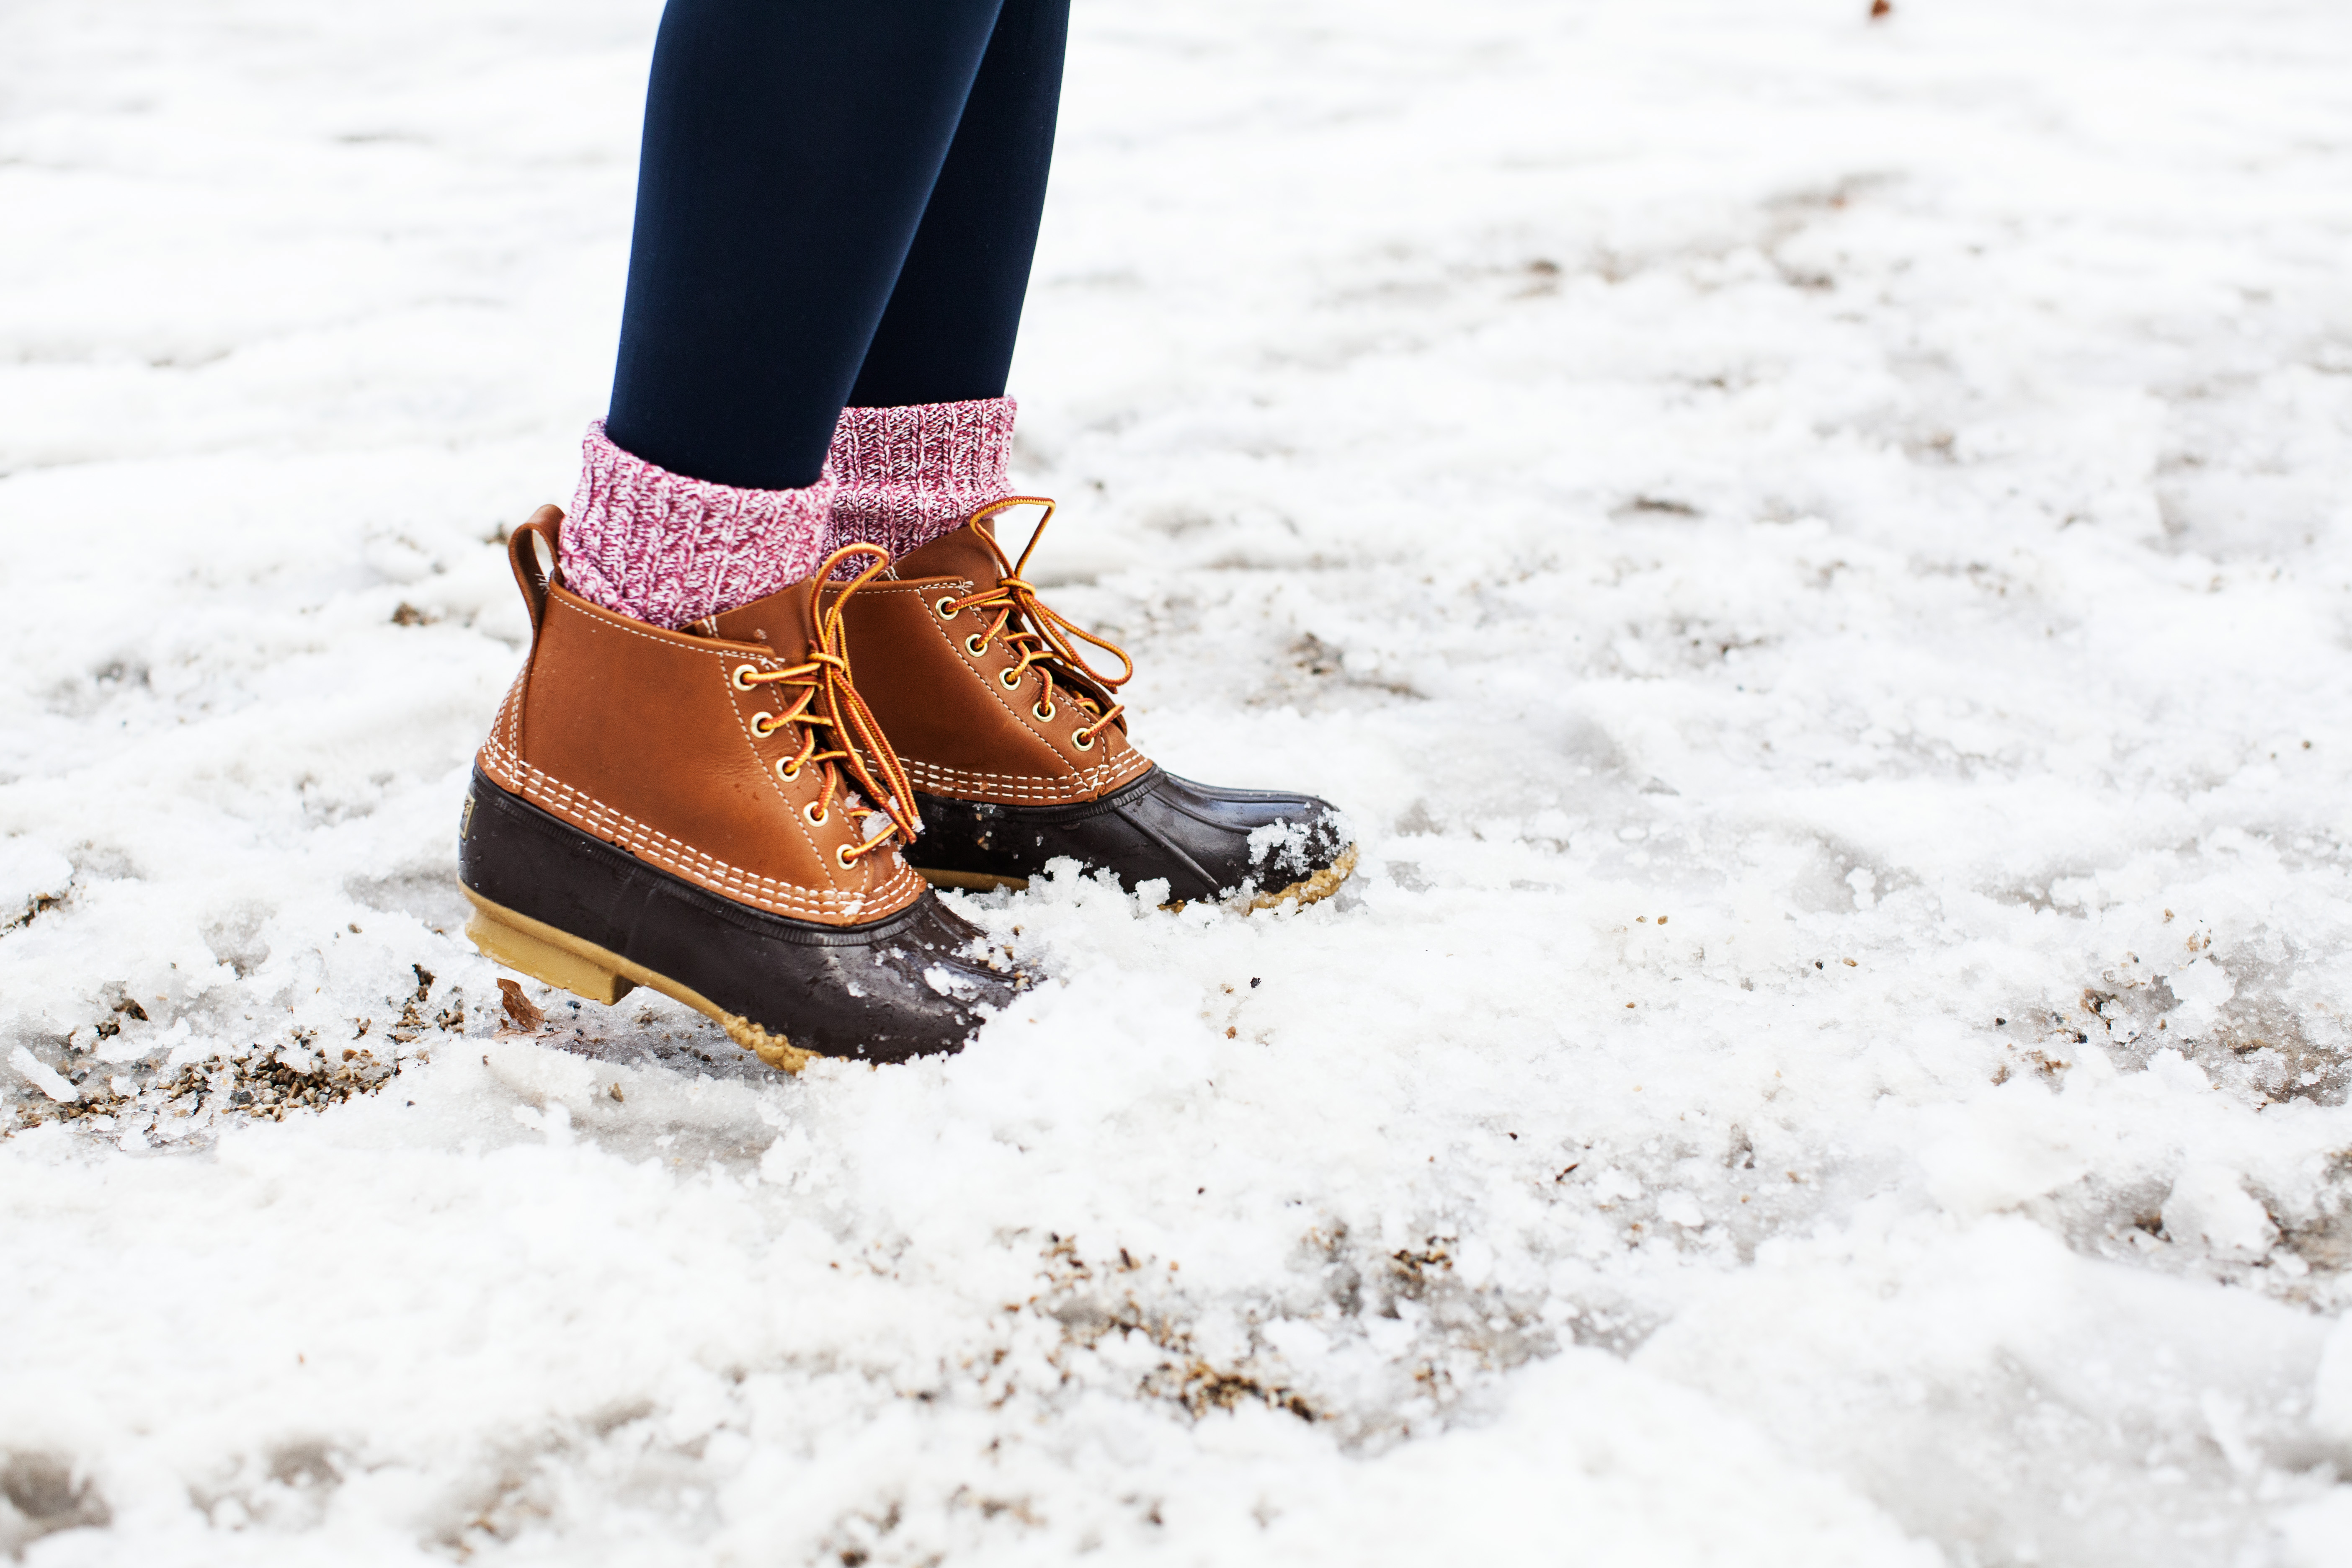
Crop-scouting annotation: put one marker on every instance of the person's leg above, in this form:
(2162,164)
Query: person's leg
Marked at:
(703,803)
(925,437)
(1016,745)
(791,148)
(955,311)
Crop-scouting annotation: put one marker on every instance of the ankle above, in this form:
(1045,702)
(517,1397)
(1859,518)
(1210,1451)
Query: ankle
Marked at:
(908,475)
(666,549)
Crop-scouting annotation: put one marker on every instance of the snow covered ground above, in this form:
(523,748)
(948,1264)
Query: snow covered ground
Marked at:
(1818,554)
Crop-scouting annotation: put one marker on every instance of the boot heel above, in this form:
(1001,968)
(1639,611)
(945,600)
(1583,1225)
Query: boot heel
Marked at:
(545,962)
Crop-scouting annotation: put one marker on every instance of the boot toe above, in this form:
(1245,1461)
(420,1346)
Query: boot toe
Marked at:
(1263,845)
(910,986)
(1203,842)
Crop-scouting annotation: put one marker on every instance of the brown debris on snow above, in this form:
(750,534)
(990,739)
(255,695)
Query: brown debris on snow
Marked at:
(523,1015)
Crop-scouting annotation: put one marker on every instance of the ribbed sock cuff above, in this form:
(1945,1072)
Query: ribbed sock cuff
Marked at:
(665,549)
(908,475)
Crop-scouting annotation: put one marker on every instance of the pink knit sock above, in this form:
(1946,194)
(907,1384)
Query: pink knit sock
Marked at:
(666,549)
(910,474)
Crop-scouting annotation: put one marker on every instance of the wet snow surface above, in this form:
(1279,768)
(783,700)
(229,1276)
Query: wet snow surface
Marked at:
(1816,554)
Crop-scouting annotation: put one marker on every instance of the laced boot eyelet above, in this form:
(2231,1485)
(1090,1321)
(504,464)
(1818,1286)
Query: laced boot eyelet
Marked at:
(814,816)
(841,858)
(786,770)
(1083,740)
(946,607)
(1009,677)
(763,724)
(1043,713)
(974,646)
(741,679)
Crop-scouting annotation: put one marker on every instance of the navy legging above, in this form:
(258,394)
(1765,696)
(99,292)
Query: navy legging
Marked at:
(837,203)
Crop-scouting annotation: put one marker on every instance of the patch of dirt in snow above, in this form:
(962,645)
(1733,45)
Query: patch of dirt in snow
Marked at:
(40,1494)
(184,1104)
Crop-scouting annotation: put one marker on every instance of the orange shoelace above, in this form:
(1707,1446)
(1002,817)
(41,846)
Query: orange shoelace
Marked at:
(1029,628)
(825,700)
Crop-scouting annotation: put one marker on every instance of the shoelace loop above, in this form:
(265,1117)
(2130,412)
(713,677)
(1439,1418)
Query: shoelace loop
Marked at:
(1043,638)
(827,700)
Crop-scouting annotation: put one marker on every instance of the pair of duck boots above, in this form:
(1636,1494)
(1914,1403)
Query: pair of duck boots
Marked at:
(723,814)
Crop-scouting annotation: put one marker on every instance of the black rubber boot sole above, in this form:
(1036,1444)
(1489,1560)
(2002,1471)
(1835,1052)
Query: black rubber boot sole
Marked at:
(1197,838)
(571,911)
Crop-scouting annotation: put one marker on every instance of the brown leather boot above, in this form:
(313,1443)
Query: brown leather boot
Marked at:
(1018,747)
(718,818)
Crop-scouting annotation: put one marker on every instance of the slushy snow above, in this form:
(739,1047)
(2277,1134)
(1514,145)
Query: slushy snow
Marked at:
(1815,553)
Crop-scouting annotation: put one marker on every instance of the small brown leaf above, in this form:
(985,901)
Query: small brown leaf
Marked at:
(521,1012)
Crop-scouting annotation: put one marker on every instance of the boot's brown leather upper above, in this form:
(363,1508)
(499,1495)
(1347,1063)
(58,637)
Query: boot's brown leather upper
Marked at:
(973,711)
(704,757)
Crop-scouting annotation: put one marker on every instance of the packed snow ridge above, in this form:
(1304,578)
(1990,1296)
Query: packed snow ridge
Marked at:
(1814,551)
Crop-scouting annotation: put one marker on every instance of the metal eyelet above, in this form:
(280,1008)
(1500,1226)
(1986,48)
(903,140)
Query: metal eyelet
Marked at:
(814,816)
(786,770)
(741,679)
(1009,677)
(1043,714)
(763,724)
(1083,740)
(840,857)
(946,607)
(974,646)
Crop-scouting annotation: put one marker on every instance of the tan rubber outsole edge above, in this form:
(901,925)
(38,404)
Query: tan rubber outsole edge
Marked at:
(558,958)
(1314,889)
(973,881)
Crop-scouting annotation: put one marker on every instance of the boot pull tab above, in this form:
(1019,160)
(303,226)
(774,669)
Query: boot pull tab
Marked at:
(522,554)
